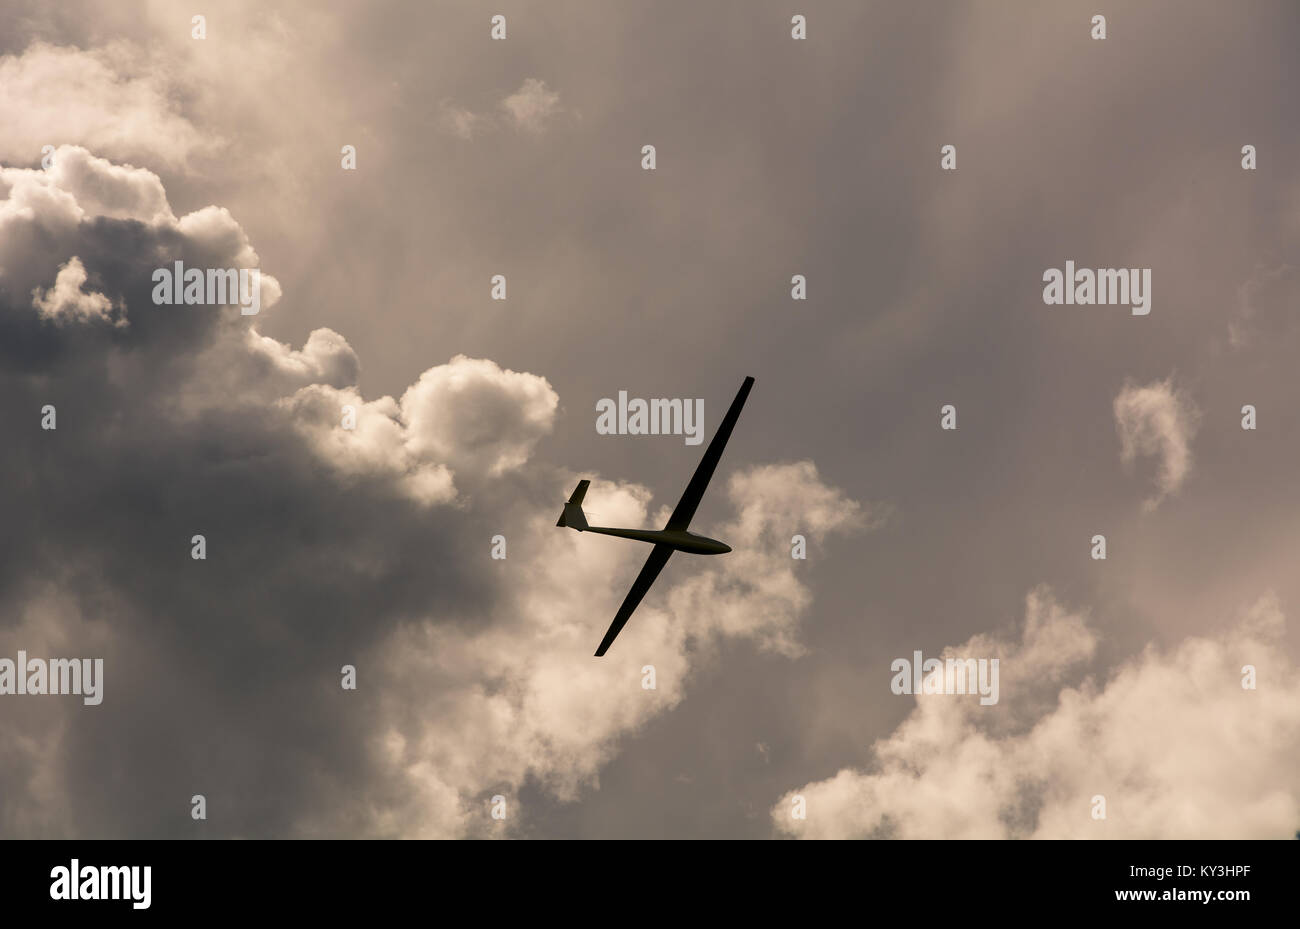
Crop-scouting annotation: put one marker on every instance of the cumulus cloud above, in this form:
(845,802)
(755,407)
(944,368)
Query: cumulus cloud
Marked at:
(523,701)
(105,99)
(79,187)
(1171,740)
(66,302)
(758,595)
(468,416)
(102,188)
(72,212)
(476,676)
(476,416)
(1158,421)
(326,358)
(375,445)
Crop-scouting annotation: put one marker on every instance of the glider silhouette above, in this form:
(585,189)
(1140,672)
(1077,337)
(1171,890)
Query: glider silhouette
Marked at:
(673,537)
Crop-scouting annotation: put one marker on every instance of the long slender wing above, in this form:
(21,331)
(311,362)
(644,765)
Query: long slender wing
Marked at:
(686,506)
(653,565)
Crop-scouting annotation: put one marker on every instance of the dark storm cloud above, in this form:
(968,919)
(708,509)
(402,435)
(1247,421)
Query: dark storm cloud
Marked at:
(209,662)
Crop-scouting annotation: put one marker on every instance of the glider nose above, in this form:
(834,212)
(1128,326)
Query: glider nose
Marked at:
(725,548)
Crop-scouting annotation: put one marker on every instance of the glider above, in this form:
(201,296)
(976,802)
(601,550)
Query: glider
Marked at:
(673,537)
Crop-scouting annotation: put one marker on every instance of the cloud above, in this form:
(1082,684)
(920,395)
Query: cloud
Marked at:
(1264,305)
(326,358)
(532,105)
(1158,421)
(83,197)
(79,187)
(170,428)
(476,416)
(529,109)
(1171,739)
(459,122)
(757,594)
(468,416)
(376,446)
(66,302)
(524,702)
(475,675)
(105,99)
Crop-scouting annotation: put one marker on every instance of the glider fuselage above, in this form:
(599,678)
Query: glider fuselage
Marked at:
(679,539)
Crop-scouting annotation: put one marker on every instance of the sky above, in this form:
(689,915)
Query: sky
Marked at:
(478,709)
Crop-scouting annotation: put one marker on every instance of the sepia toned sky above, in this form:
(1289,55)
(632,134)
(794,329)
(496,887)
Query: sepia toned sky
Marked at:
(775,157)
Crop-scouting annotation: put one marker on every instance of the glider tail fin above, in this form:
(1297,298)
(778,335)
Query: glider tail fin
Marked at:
(573,517)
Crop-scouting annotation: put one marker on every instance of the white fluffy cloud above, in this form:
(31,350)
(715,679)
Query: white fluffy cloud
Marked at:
(467,417)
(105,99)
(1171,739)
(77,187)
(1158,421)
(44,210)
(477,417)
(376,447)
(326,358)
(758,595)
(66,302)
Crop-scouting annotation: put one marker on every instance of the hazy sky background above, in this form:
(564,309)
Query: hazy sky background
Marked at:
(775,157)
